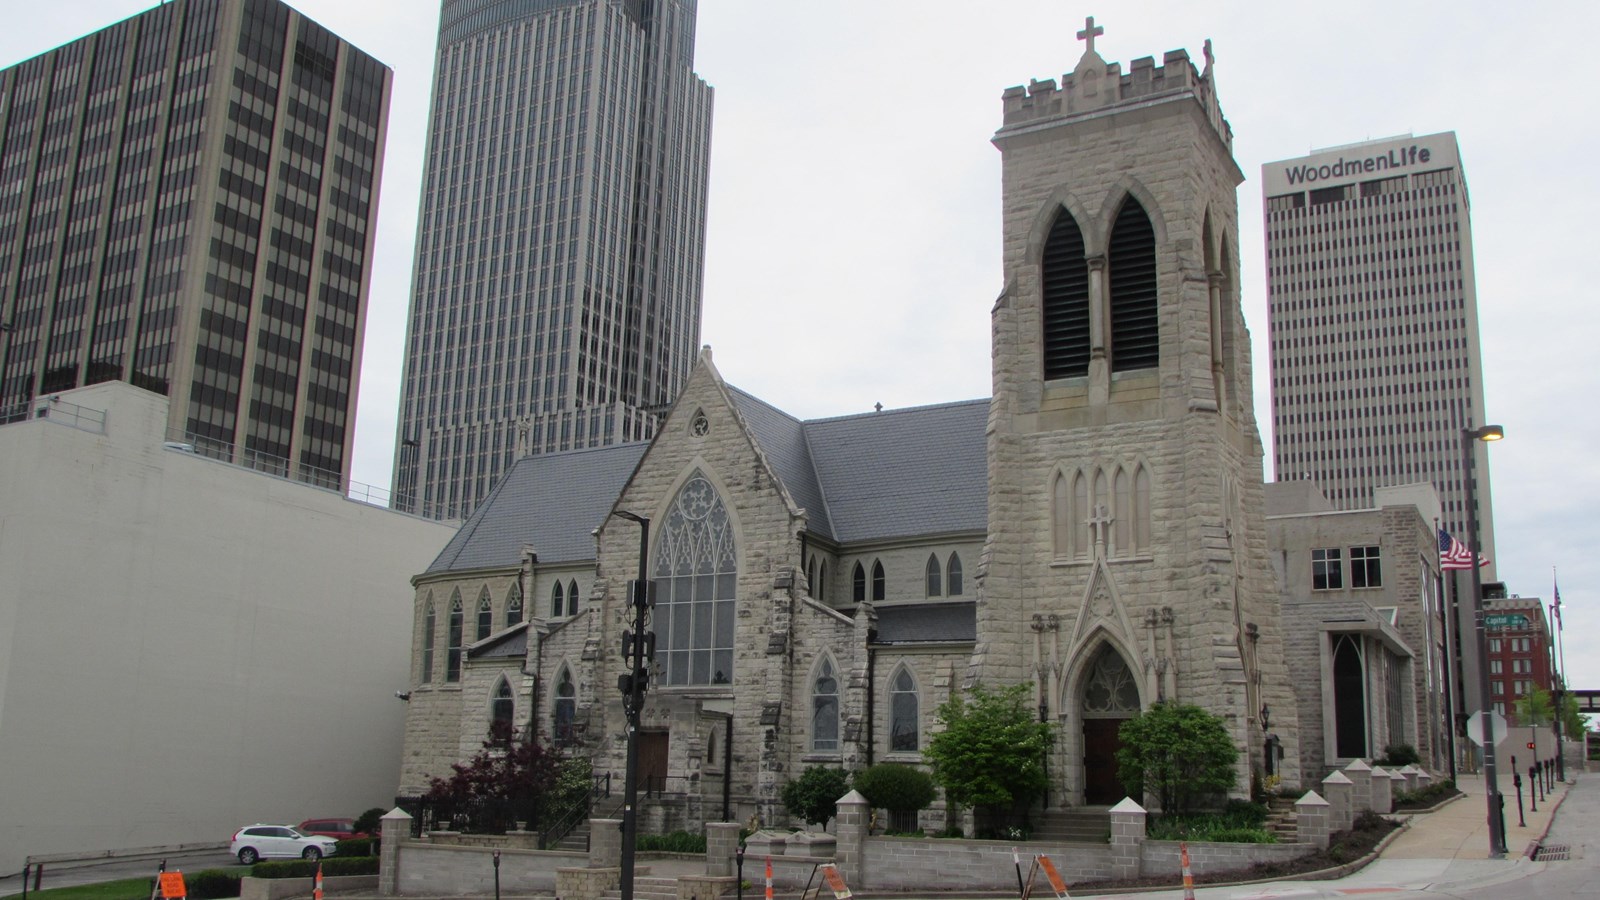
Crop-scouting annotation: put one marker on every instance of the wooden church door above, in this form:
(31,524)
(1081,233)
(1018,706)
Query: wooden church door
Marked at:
(1110,696)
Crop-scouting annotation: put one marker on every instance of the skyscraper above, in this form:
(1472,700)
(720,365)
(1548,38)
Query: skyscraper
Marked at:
(185,204)
(556,296)
(1373,313)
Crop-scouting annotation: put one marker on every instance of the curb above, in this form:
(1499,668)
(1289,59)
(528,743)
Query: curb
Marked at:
(1533,846)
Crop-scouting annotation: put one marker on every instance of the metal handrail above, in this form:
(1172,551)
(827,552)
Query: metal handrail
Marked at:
(557,828)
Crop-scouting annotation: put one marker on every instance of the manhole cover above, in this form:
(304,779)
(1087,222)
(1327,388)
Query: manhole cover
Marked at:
(1549,852)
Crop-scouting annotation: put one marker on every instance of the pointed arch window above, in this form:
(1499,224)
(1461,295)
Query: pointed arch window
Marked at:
(452,658)
(825,707)
(952,581)
(501,710)
(877,581)
(564,711)
(904,712)
(934,576)
(822,581)
(558,600)
(429,625)
(1131,258)
(1064,279)
(1082,539)
(811,575)
(1110,690)
(1141,510)
(696,579)
(572,597)
(1061,518)
(858,584)
(514,605)
(1122,515)
(1349,697)
(485,616)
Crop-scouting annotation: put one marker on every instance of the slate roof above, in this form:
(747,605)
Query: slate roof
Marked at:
(511,643)
(550,501)
(947,620)
(875,476)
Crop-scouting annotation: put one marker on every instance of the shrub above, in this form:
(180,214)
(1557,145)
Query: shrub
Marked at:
(1180,753)
(814,796)
(674,842)
(1397,755)
(895,787)
(305,868)
(356,847)
(211,884)
(989,753)
(370,822)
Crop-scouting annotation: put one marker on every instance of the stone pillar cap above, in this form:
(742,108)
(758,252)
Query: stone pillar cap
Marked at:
(1127,806)
(1359,765)
(1337,778)
(396,813)
(853,797)
(1312,798)
(1380,772)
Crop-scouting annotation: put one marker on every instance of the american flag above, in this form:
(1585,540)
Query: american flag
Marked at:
(1454,555)
(1556,606)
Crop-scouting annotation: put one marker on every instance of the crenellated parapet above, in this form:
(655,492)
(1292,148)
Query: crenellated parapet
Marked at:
(1096,85)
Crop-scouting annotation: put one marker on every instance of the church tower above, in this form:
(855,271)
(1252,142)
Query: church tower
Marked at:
(1126,561)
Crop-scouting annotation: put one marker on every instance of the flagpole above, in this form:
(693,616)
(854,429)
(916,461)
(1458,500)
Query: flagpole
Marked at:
(1561,675)
(1446,613)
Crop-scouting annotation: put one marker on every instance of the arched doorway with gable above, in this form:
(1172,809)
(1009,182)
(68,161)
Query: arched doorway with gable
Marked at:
(1105,694)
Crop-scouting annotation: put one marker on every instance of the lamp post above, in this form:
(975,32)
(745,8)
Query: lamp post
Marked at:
(1497,824)
(632,685)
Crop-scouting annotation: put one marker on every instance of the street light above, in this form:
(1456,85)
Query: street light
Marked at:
(1497,824)
(632,686)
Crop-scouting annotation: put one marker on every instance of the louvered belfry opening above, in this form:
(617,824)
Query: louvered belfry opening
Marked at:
(1066,301)
(1135,327)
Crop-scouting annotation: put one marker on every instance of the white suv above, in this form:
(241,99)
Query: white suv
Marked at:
(254,842)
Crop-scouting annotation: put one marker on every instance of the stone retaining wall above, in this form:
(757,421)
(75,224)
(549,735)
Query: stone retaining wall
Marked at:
(1158,857)
(279,888)
(452,871)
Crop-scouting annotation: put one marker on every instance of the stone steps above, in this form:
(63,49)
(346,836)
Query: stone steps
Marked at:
(1281,820)
(647,887)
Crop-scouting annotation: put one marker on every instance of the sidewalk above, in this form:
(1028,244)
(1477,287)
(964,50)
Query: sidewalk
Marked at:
(1460,829)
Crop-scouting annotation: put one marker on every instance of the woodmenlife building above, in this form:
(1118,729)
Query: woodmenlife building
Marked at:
(1373,314)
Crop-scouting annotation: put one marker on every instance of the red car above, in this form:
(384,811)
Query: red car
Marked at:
(338,829)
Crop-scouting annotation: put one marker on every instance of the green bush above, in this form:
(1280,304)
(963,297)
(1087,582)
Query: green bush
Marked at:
(675,842)
(369,821)
(814,796)
(1245,812)
(895,787)
(305,868)
(1180,753)
(1241,828)
(1397,755)
(356,847)
(211,884)
(1425,797)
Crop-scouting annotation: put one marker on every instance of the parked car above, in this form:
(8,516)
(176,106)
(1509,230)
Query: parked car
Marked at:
(338,829)
(254,842)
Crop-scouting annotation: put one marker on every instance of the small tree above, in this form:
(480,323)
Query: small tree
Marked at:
(990,752)
(370,821)
(814,796)
(1177,752)
(498,786)
(1534,708)
(902,790)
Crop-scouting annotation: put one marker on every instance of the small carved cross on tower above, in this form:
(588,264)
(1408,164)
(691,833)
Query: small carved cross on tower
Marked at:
(1089,33)
(1100,527)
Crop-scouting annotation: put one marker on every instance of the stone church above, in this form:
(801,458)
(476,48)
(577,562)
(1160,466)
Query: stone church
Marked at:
(1095,529)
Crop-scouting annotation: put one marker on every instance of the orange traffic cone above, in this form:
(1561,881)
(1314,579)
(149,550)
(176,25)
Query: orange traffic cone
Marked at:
(769,878)
(316,885)
(1188,877)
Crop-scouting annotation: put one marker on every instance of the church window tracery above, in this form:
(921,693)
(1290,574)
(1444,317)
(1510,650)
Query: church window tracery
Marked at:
(1064,276)
(1131,258)
(934,576)
(564,711)
(904,713)
(858,584)
(485,616)
(501,710)
(558,600)
(572,597)
(452,659)
(878,581)
(429,624)
(514,605)
(1110,690)
(696,576)
(825,707)
(952,581)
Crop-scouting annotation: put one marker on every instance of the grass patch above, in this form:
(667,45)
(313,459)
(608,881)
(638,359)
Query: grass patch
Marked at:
(123,889)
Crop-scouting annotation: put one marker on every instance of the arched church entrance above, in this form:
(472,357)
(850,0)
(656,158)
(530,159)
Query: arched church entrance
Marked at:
(1108,697)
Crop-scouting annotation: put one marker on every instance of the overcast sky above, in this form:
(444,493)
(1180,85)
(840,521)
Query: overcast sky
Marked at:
(853,247)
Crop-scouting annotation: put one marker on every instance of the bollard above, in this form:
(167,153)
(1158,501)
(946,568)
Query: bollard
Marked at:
(497,875)
(25,867)
(738,863)
(38,875)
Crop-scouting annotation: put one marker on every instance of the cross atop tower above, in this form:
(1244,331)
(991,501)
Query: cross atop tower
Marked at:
(1089,33)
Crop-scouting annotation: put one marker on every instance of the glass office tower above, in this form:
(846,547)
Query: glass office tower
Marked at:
(1373,313)
(560,249)
(186,201)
